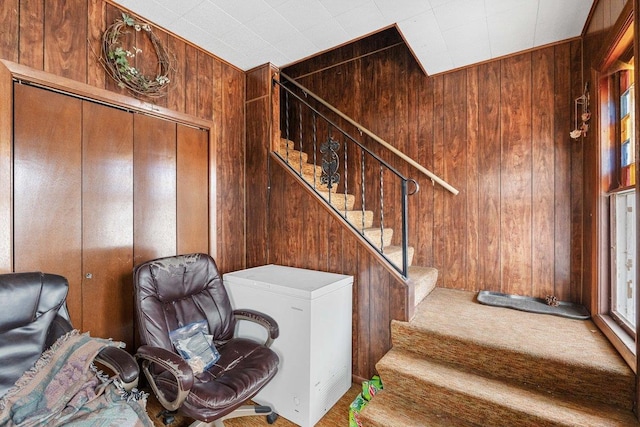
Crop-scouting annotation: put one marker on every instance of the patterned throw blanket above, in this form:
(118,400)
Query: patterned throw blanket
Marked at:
(64,388)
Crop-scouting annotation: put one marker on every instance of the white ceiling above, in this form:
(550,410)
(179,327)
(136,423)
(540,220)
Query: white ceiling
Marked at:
(443,34)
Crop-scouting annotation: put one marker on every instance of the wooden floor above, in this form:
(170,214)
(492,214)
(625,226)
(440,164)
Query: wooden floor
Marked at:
(336,417)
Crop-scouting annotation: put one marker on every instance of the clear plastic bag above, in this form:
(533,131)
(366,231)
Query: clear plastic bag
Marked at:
(195,345)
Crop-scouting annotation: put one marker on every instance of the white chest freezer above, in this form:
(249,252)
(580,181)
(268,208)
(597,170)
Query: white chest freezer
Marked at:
(313,311)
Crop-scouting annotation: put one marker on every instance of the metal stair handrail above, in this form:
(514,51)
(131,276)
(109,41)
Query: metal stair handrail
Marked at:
(383,165)
(409,160)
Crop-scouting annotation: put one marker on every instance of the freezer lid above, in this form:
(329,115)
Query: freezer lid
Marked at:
(292,281)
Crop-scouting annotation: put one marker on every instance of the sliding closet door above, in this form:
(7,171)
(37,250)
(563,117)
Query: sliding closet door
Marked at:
(155,188)
(47,187)
(98,190)
(107,222)
(193,190)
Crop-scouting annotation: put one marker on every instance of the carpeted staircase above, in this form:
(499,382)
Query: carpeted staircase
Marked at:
(460,363)
(423,279)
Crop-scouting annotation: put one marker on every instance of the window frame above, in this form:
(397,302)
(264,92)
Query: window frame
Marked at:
(621,39)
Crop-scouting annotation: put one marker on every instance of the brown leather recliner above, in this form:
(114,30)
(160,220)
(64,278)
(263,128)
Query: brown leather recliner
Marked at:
(33,315)
(173,292)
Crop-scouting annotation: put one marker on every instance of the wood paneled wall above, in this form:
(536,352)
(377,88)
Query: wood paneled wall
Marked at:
(62,37)
(499,132)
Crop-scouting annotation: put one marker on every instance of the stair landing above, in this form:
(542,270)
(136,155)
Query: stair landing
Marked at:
(497,366)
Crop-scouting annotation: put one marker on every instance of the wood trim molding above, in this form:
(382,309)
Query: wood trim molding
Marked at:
(82,90)
(613,332)
(6,171)
(619,39)
(636,74)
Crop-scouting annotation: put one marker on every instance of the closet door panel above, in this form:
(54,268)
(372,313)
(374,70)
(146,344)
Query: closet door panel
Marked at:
(47,188)
(107,203)
(155,188)
(193,190)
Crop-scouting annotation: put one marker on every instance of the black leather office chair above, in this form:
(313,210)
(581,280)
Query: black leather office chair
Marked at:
(33,315)
(173,292)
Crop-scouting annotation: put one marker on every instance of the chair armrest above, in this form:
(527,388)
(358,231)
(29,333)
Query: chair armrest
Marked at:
(172,363)
(122,364)
(265,320)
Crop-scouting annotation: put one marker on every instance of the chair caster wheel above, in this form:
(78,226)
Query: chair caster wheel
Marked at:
(272,417)
(168,417)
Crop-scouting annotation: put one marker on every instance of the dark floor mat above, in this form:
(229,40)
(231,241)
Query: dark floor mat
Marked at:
(533,305)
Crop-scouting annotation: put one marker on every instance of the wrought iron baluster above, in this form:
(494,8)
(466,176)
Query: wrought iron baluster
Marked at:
(381,207)
(362,189)
(315,147)
(346,177)
(300,141)
(330,163)
(405,228)
(286,125)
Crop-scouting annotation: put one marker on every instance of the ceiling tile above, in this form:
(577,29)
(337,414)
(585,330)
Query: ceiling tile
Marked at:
(272,27)
(470,53)
(305,14)
(436,3)
(457,12)
(422,32)
(211,19)
(555,24)
(399,10)
(326,34)
(338,7)
(197,35)
(271,55)
(434,62)
(443,34)
(362,20)
(180,8)
(158,15)
(472,32)
(244,10)
(272,3)
(493,7)
(512,30)
(297,46)
(244,40)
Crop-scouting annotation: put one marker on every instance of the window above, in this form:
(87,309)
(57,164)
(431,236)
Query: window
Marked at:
(622,253)
(623,259)
(617,294)
(626,162)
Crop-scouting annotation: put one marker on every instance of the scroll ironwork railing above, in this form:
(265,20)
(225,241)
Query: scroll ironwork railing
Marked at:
(360,185)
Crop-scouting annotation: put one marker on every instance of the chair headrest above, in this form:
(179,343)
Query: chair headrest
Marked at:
(175,291)
(26,296)
(181,276)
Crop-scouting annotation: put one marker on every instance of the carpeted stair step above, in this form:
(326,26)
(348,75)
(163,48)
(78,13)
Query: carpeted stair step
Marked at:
(377,236)
(286,143)
(394,254)
(307,169)
(340,201)
(542,351)
(424,281)
(356,218)
(317,183)
(293,157)
(388,409)
(442,388)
